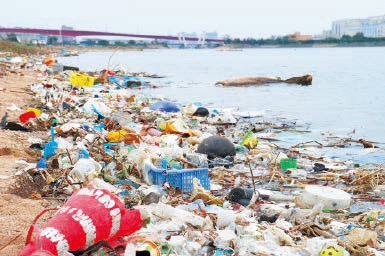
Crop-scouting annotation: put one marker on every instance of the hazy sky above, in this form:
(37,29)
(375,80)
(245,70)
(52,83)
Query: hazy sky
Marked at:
(238,18)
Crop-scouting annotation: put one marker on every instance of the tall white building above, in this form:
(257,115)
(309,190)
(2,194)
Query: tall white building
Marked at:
(370,27)
(374,26)
(348,27)
(67,39)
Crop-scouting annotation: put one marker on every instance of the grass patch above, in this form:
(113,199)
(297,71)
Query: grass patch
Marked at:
(19,48)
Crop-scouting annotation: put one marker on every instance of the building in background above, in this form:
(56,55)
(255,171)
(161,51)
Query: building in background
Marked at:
(324,35)
(374,26)
(43,39)
(3,36)
(32,38)
(348,27)
(67,40)
(298,37)
(370,27)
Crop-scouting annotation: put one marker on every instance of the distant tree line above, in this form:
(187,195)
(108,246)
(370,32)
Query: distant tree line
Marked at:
(91,42)
(346,39)
(11,37)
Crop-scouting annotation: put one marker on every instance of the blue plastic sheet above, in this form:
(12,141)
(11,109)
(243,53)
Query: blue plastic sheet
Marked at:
(116,79)
(165,106)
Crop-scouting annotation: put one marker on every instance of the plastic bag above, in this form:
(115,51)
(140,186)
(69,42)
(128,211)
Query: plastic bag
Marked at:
(85,167)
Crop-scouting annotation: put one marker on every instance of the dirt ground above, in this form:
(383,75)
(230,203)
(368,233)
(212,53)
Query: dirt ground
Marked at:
(16,212)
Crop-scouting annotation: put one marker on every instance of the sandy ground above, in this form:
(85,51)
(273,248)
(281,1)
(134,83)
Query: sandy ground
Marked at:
(16,213)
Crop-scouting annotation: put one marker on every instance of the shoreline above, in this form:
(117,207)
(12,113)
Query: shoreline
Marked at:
(223,47)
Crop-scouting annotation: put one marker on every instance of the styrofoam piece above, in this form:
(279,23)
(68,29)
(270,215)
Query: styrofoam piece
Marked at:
(34,140)
(225,218)
(13,108)
(330,198)
(178,242)
(224,238)
(64,144)
(17,60)
(249,113)
(298,173)
(90,137)
(68,126)
(44,117)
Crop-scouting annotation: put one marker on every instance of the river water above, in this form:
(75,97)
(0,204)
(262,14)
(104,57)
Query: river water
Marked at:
(348,91)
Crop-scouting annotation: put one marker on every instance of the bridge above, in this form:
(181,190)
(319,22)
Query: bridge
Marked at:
(75,33)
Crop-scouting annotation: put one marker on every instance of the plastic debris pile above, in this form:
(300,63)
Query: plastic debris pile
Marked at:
(206,181)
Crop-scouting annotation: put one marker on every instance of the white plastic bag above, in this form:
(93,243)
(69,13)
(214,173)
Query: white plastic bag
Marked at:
(85,167)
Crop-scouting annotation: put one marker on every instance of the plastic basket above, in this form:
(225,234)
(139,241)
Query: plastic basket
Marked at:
(182,179)
(287,163)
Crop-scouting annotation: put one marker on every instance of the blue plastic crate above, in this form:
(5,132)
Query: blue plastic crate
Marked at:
(182,179)
(163,163)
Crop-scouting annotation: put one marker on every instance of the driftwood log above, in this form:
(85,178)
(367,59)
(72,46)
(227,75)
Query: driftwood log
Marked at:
(302,80)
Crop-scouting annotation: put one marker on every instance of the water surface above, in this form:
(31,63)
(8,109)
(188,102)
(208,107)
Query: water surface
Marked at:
(347,92)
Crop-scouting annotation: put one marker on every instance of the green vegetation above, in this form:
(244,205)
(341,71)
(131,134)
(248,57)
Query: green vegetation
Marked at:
(7,46)
(12,38)
(52,40)
(103,43)
(120,44)
(358,39)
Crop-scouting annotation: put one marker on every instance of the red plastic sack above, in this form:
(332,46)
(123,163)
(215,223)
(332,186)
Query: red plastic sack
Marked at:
(26,116)
(89,216)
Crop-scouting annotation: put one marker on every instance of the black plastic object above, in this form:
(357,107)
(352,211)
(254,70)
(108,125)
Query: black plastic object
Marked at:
(319,167)
(271,219)
(133,83)
(237,194)
(70,68)
(201,112)
(244,202)
(16,127)
(89,250)
(244,195)
(66,105)
(143,253)
(152,197)
(37,146)
(216,146)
